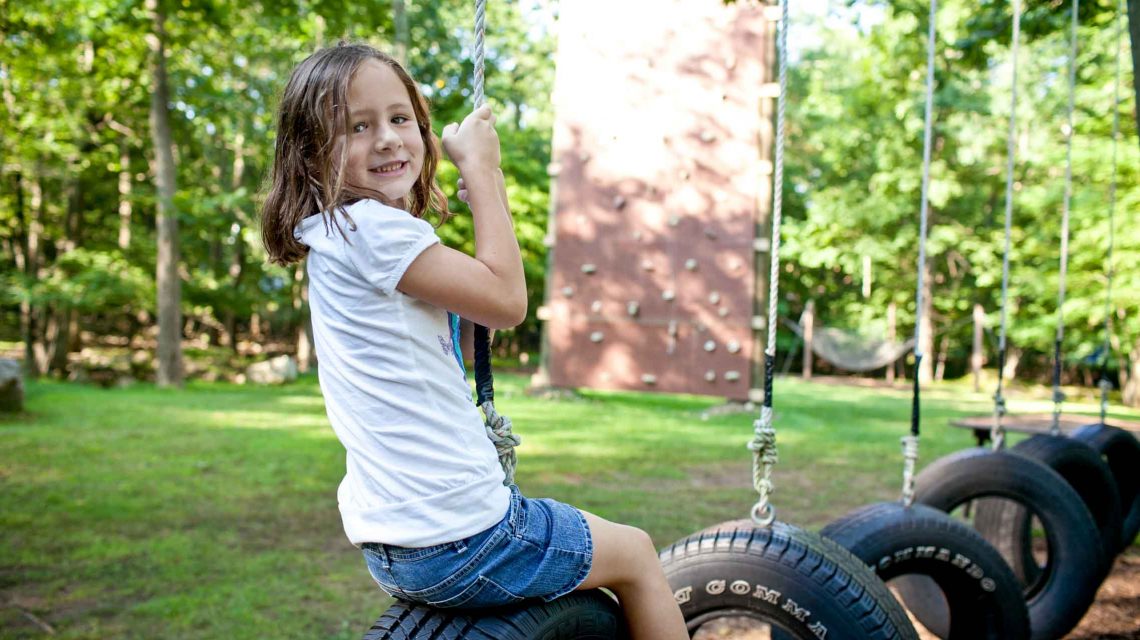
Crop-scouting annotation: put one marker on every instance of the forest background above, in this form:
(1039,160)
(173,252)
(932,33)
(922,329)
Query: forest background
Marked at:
(137,139)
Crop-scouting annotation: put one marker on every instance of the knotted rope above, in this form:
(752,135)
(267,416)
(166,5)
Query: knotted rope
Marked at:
(763,444)
(1058,395)
(497,425)
(997,432)
(910,459)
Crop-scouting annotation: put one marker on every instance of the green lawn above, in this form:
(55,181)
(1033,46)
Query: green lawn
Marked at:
(211,512)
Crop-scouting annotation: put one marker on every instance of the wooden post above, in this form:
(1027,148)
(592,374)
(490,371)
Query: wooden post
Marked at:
(977,358)
(892,333)
(807,321)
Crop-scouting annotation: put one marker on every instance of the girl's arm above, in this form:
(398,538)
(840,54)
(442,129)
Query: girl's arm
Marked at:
(489,288)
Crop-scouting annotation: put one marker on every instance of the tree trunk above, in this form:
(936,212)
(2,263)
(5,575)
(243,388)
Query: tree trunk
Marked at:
(943,349)
(237,261)
(925,371)
(34,229)
(169,370)
(1134,35)
(304,330)
(400,19)
(892,335)
(1132,387)
(807,323)
(1012,360)
(124,197)
(978,357)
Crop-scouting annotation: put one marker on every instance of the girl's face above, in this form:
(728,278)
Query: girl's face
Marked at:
(385,150)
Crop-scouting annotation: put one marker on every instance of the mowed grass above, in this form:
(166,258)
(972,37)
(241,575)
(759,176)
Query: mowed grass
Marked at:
(210,512)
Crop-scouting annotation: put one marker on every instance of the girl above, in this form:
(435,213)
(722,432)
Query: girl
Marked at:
(424,495)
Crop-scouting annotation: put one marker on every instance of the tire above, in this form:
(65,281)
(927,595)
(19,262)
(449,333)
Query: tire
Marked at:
(581,615)
(1007,524)
(982,597)
(1121,451)
(1068,584)
(805,586)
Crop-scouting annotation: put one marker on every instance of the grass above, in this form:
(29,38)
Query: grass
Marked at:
(211,512)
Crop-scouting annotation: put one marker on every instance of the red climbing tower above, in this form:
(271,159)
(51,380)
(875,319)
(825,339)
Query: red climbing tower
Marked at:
(660,196)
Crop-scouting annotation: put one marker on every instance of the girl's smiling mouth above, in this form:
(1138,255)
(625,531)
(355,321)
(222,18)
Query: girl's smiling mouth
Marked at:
(390,168)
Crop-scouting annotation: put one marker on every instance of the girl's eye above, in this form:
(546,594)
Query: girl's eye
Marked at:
(359,127)
(399,120)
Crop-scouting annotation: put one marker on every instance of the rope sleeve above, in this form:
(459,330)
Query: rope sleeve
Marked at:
(484,380)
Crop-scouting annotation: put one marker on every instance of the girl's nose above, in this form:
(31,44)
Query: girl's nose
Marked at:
(387,138)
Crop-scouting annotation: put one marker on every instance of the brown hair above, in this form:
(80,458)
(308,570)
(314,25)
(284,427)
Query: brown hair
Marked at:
(304,180)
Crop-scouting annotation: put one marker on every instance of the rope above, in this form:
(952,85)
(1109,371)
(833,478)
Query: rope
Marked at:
(498,426)
(997,433)
(1058,395)
(1105,385)
(910,443)
(763,444)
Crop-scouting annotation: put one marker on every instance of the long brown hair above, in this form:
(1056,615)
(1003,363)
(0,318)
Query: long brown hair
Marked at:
(306,179)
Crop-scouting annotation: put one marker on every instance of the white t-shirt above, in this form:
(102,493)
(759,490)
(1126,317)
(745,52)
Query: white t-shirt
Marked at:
(420,468)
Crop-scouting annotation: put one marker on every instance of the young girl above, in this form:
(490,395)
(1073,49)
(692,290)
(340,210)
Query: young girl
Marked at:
(424,495)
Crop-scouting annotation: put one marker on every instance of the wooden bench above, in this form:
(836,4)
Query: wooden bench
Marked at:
(1036,423)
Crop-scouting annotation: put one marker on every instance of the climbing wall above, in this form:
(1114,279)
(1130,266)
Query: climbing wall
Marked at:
(660,123)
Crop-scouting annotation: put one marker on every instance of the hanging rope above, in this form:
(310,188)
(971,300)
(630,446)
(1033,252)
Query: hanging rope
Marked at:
(997,433)
(1105,385)
(763,444)
(1058,395)
(498,426)
(910,442)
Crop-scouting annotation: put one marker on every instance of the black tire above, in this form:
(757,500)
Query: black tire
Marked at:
(982,597)
(581,615)
(1007,524)
(805,586)
(1069,581)
(1121,451)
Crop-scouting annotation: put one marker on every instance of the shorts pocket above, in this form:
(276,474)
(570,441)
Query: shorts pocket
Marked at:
(482,592)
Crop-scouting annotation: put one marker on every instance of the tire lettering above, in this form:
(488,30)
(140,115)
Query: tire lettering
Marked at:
(767,595)
(988,584)
(943,555)
(683,595)
(884,562)
(740,587)
(904,554)
(799,613)
(975,572)
(961,561)
(819,630)
(925,552)
(715,587)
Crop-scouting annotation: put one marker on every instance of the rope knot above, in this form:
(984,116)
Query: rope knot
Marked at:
(910,457)
(499,432)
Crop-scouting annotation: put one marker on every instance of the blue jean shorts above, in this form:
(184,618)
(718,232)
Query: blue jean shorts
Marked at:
(540,549)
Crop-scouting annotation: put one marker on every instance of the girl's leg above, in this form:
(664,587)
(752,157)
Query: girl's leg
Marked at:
(626,563)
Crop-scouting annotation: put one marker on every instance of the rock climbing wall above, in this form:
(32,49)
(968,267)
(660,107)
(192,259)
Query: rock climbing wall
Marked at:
(661,121)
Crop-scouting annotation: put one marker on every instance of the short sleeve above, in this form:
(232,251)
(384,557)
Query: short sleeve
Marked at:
(385,242)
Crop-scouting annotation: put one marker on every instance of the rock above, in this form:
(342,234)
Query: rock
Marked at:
(11,386)
(277,370)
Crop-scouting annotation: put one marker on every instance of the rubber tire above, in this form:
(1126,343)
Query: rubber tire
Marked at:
(1121,451)
(808,585)
(581,615)
(982,595)
(1007,524)
(1070,580)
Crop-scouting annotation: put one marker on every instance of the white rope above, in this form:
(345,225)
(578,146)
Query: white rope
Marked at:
(480,49)
(1105,385)
(997,433)
(763,444)
(499,431)
(910,443)
(1058,395)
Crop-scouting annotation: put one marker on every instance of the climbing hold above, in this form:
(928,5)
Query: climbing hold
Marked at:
(710,345)
(674,220)
(761,245)
(548,241)
(596,336)
(596,306)
(707,136)
(637,235)
(568,292)
(691,264)
(649,378)
(722,312)
(710,233)
(632,307)
(668,295)
(759,322)
(714,297)
(672,327)
(589,269)
(710,375)
(647,264)
(732,346)
(732,376)
(619,202)
(684,174)
(553,169)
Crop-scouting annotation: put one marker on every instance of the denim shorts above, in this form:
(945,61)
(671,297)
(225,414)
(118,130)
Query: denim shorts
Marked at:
(540,549)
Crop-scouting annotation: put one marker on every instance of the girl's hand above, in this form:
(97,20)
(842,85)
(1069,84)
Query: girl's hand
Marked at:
(462,195)
(473,144)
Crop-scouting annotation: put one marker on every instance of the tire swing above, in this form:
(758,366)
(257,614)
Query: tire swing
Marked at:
(803,585)
(1068,582)
(916,544)
(1008,524)
(580,615)
(1119,448)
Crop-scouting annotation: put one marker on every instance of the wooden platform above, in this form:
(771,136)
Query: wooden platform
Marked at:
(1036,423)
